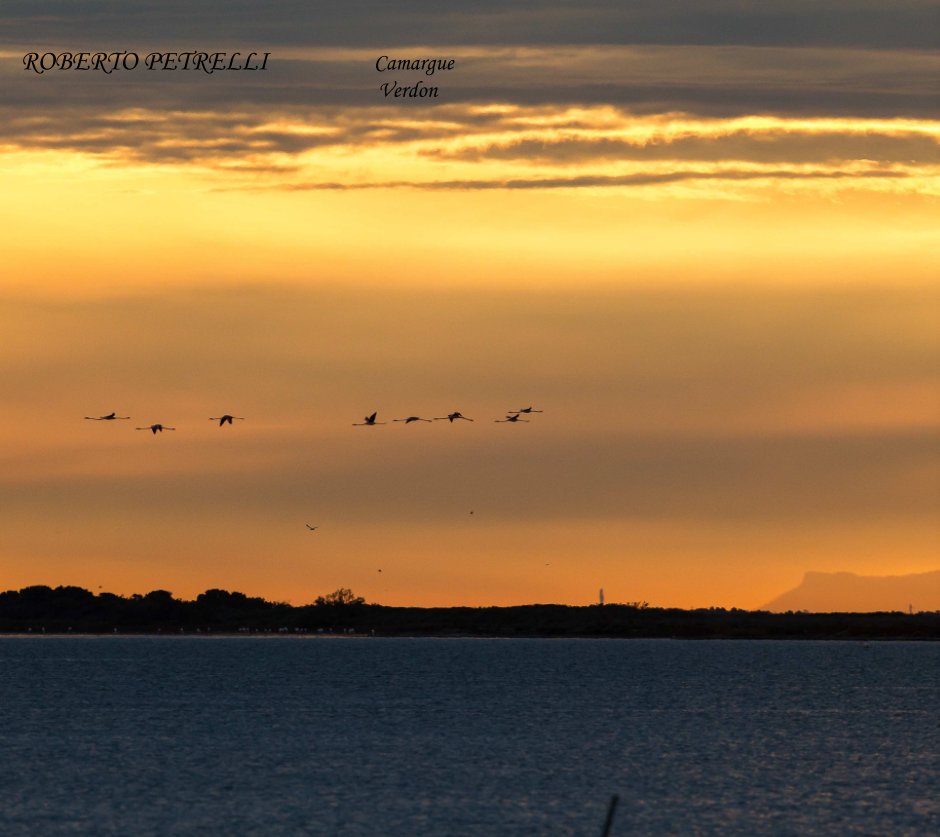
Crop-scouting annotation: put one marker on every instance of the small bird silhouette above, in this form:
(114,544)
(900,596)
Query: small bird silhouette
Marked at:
(226,419)
(513,417)
(156,428)
(526,410)
(108,417)
(451,417)
(368,421)
(411,419)
(311,528)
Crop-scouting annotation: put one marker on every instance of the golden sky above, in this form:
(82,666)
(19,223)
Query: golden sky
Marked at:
(709,255)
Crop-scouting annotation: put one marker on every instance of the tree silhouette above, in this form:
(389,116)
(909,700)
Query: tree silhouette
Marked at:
(341,597)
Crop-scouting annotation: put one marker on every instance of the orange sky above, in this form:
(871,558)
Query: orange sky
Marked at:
(727,311)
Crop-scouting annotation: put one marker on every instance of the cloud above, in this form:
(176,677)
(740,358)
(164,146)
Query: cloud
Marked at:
(697,79)
(471,147)
(824,114)
(596,181)
(372,23)
(768,146)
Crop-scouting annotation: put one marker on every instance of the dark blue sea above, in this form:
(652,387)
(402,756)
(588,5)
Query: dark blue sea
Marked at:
(356,736)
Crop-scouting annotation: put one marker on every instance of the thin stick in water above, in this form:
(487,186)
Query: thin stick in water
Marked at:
(608,823)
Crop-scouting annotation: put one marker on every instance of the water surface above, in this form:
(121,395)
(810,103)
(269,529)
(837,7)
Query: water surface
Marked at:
(315,735)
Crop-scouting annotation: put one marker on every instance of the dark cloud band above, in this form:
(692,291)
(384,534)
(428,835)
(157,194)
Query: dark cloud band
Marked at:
(909,24)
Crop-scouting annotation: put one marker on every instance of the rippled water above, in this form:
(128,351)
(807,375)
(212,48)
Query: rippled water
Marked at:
(146,735)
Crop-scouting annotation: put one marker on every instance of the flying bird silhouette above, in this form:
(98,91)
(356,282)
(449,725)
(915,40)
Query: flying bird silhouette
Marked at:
(368,421)
(226,419)
(411,419)
(451,417)
(513,417)
(526,410)
(156,428)
(311,528)
(108,417)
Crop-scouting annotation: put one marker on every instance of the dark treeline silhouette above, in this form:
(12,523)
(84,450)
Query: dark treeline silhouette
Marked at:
(41,609)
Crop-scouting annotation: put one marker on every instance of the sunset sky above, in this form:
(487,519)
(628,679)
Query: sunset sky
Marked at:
(702,237)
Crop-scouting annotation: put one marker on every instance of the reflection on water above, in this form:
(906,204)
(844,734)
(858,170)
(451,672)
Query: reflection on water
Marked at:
(146,735)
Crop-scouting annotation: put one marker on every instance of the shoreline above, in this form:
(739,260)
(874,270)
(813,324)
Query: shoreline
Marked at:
(524,637)
(66,611)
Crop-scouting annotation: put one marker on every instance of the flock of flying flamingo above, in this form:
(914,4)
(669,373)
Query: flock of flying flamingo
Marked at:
(159,428)
(512,417)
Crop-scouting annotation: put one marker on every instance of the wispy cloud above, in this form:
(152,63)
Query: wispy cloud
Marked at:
(595,181)
(489,147)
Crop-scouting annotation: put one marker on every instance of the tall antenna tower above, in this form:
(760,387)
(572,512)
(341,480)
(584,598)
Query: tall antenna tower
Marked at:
(601,597)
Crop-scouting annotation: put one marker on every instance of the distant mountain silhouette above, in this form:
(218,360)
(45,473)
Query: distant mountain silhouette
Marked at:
(851,593)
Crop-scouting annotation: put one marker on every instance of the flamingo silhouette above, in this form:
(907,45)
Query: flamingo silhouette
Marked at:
(156,428)
(451,417)
(411,419)
(514,417)
(369,421)
(311,528)
(526,410)
(226,419)
(108,417)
